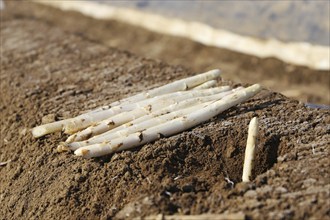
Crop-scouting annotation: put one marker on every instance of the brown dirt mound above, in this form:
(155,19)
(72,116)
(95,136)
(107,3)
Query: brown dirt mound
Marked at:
(48,74)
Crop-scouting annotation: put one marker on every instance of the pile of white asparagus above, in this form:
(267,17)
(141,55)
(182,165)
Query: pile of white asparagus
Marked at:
(147,116)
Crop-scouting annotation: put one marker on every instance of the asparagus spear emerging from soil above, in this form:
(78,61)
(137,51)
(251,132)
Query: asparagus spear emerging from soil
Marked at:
(170,127)
(179,85)
(250,150)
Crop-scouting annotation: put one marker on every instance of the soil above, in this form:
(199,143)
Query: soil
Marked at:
(49,73)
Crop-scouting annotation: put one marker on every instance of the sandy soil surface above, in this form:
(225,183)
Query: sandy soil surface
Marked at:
(49,73)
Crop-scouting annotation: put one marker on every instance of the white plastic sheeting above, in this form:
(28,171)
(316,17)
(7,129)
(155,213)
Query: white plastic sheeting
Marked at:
(298,53)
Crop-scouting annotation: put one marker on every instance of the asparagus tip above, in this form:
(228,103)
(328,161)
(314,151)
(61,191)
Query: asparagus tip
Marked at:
(257,87)
(216,71)
(71,138)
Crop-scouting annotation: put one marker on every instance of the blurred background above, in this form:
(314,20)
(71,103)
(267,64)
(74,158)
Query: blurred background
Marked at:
(303,20)
(129,25)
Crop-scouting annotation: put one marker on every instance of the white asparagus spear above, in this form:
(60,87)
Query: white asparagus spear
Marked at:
(206,85)
(168,128)
(149,120)
(81,122)
(179,85)
(250,150)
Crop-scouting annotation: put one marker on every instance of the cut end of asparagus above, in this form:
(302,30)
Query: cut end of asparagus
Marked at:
(82,152)
(63,147)
(39,131)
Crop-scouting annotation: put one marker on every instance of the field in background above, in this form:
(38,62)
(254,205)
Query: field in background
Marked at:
(302,83)
(284,20)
